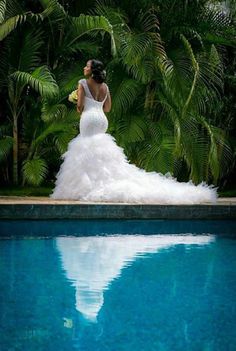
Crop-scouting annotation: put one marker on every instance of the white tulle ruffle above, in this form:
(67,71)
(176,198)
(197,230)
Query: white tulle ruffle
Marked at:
(96,169)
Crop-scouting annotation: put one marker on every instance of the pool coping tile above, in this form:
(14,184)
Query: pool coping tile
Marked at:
(46,208)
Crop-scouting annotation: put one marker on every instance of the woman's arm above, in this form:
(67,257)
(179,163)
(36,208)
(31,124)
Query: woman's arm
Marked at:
(107,103)
(80,98)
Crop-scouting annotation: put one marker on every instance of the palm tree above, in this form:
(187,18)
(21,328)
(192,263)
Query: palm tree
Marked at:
(29,65)
(165,69)
(173,74)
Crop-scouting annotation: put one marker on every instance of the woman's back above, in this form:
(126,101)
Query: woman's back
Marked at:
(93,120)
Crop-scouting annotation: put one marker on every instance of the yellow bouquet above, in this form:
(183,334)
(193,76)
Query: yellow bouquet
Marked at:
(73,97)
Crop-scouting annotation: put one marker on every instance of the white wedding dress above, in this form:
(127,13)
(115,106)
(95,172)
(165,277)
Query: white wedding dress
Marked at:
(96,169)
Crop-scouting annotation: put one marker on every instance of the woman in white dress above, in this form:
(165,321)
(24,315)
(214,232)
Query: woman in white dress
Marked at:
(96,169)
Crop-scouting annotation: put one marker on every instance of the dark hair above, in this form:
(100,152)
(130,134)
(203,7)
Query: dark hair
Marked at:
(98,72)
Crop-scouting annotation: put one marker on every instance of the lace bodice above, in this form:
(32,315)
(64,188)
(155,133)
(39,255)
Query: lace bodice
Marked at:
(93,120)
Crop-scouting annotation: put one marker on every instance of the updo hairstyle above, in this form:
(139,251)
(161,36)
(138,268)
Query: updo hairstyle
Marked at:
(98,72)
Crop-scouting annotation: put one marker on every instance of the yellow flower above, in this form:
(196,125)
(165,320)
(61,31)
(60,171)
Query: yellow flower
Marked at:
(73,97)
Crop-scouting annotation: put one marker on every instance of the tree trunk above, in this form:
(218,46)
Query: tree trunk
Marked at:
(15,150)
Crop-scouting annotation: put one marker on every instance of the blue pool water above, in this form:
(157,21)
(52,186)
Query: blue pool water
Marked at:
(64,287)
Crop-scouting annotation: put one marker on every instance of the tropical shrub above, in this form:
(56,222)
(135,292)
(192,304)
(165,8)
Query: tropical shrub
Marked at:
(171,72)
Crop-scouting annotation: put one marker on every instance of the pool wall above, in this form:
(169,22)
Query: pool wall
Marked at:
(116,211)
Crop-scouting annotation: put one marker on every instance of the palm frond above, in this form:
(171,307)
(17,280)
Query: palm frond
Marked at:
(188,32)
(10,24)
(13,8)
(158,154)
(194,149)
(61,140)
(113,13)
(86,48)
(68,80)
(149,21)
(132,128)
(135,46)
(29,56)
(6,144)
(52,9)
(72,116)
(125,96)
(149,24)
(3,5)
(195,66)
(142,69)
(164,162)
(216,18)
(177,75)
(15,16)
(34,171)
(41,80)
(116,17)
(51,130)
(7,26)
(220,152)
(84,24)
(219,28)
(53,112)
(4,64)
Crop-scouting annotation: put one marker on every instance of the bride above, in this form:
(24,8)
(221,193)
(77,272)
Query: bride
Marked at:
(95,168)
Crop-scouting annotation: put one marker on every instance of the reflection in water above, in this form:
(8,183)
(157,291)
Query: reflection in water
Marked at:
(91,263)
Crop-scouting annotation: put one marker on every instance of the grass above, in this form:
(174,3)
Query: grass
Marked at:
(26,191)
(228,193)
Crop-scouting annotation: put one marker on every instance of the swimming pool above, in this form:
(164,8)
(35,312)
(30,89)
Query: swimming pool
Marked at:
(64,287)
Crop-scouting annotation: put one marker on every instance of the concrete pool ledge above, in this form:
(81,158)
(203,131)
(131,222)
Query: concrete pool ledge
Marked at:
(14,207)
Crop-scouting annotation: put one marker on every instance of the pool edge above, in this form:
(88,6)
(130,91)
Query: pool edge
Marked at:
(36,210)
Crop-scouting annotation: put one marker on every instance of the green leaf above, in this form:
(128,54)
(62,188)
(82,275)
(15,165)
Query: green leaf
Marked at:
(11,23)
(34,171)
(125,96)
(132,128)
(53,112)
(61,140)
(13,8)
(68,80)
(29,55)
(3,4)
(41,80)
(52,8)
(219,151)
(53,129)
(5,147)
(85,24)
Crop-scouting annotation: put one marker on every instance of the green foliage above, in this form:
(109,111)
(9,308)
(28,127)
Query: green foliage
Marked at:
(29,57)
(37,48)
(125,96)
(26,190)
(53,112)
(3,5)
(53,9)
(12,16)
(10,24)
(34,171)
(169,68)
(41,80)
(5,147)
